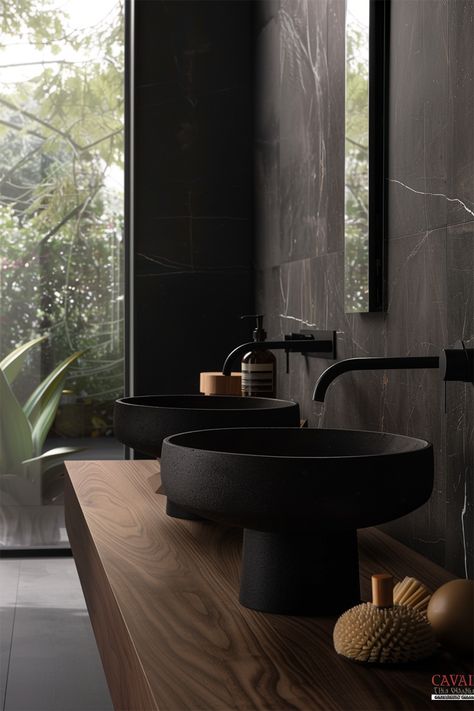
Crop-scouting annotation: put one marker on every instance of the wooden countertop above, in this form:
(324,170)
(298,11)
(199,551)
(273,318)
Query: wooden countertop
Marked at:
(163,600)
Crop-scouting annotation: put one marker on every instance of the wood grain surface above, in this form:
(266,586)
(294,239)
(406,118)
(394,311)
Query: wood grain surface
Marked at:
(163,600)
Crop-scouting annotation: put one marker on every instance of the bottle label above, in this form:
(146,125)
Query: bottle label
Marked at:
(257,378)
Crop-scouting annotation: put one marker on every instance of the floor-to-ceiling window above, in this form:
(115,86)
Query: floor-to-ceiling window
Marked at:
(61,250)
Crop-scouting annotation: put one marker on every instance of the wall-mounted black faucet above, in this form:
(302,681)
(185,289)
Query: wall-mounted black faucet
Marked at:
(454,364)
(318,344)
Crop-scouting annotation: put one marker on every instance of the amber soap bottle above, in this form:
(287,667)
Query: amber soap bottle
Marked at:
(258,366)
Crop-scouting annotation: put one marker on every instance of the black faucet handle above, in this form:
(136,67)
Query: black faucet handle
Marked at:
(457,363)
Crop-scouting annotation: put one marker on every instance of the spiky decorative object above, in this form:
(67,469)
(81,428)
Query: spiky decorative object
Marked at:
(381,632)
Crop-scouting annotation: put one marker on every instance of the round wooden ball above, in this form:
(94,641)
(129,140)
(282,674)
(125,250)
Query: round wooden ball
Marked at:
(451,614)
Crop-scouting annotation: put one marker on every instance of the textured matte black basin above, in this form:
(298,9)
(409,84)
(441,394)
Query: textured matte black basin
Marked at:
(143,422)
(300,495)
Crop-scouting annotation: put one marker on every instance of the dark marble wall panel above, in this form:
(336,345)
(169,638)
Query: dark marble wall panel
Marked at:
(299,236)
(460,403)
(461,111)
(193,223)
(181,310)
(303,128)
(418,116)
(267,133)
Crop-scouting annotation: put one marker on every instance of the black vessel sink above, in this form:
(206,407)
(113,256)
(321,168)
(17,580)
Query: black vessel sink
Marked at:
(300,495)
(143,422)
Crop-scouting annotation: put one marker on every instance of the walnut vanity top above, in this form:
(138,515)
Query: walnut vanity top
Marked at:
(162,595)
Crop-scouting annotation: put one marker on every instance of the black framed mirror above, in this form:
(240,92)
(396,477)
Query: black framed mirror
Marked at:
(367,30)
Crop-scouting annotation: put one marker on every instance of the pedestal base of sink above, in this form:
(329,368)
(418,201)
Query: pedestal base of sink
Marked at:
(176,511)
(300,574)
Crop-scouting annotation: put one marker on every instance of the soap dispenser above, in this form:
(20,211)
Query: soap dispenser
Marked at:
(258,366)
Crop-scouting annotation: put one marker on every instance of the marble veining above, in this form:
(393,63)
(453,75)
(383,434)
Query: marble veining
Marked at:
(421,192)
(301,321)
(182,268)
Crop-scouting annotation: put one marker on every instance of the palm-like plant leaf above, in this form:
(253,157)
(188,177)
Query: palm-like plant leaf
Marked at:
(42,404)
(13,362)
(46,417)
(49,461)
(16,442)
(52,457)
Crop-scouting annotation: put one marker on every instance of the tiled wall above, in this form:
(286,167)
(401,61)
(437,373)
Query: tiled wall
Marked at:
(299,234)
(193,188)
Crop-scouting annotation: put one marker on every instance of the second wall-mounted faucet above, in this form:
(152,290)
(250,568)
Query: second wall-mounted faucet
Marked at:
(455,364)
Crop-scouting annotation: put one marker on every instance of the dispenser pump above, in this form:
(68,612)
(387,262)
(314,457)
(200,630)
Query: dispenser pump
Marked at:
(259,333)
(258,365)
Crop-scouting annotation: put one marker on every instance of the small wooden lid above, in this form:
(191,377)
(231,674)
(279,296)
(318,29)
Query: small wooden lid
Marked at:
(382,590)
(214,383)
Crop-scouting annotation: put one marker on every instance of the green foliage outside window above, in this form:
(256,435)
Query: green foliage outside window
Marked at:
(61,214)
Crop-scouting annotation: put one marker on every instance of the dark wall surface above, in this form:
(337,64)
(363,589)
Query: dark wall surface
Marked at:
(300,223)
(193,188)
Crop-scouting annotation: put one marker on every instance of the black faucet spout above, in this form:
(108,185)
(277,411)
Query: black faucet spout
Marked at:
(348,364)
(244,348)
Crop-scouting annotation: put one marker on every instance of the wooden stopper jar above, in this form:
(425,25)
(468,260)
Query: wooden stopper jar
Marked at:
(214,383)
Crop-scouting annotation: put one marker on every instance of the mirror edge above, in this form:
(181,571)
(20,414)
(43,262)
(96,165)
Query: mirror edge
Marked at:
(379,49)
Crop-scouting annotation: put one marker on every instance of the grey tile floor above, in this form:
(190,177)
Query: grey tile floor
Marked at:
(48,655)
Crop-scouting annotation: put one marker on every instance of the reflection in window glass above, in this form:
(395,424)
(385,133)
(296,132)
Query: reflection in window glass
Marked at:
(357,156)
(61,247)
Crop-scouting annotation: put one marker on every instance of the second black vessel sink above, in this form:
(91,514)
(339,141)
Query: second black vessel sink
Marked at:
(300,495)
(143,422)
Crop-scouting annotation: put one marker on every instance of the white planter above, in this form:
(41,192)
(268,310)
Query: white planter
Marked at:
(24,521)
